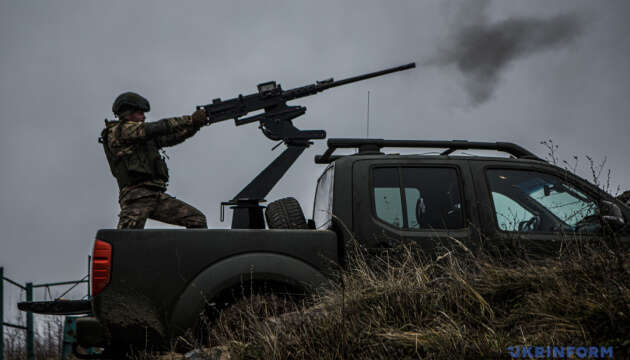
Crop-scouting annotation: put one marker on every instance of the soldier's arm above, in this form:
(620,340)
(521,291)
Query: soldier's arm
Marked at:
(131,132)
(177,137)
(196,121)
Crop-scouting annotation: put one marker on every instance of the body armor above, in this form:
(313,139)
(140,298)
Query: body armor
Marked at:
(142,164)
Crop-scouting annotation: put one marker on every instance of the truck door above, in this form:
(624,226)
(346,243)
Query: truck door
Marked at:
(536,205)
(402,200)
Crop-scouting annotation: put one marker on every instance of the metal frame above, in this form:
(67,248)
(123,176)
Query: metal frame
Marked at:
(29,316)
(374,146)
(28,287)
(248,213)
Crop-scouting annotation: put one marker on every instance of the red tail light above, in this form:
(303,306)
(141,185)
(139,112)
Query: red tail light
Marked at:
(101,266)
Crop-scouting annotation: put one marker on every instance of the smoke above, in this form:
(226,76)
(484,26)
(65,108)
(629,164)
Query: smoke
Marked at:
(482,50)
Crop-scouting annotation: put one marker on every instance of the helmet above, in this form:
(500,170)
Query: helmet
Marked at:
(130,101)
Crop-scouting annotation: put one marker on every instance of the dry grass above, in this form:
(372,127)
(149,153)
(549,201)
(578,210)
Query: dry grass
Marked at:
(402,305)
(47,339)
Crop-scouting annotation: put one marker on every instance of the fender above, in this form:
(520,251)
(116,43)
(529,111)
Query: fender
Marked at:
(229,272)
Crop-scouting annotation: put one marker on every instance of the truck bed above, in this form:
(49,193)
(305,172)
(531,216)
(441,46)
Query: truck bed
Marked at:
(153,271)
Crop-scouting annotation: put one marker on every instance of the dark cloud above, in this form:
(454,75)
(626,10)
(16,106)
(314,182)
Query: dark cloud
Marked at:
(481,51)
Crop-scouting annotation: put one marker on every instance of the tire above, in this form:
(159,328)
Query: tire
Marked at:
(285,214)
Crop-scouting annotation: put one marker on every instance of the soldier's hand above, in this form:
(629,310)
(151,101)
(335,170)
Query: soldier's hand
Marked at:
(199,118)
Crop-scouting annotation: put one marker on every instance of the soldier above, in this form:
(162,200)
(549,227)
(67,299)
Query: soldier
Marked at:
(131,147)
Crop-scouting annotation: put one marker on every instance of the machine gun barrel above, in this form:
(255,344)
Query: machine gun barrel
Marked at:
(330,83)
(369,75)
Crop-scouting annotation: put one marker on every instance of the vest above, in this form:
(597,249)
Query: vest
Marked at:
(144,164)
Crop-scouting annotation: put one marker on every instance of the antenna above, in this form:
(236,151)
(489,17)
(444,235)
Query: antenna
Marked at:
(367,135)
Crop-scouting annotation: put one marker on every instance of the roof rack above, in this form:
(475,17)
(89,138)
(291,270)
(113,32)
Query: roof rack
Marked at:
(373,146)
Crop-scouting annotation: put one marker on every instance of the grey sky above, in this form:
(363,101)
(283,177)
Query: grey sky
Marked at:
(63,62)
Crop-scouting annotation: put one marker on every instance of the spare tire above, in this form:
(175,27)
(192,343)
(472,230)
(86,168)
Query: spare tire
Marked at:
(285,214)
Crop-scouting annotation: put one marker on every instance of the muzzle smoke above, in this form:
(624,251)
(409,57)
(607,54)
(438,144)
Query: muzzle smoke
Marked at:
(481,51)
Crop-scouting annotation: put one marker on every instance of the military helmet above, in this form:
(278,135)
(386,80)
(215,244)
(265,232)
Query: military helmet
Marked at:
(130,101)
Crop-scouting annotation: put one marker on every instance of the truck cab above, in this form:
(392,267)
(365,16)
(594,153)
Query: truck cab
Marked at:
(387,199)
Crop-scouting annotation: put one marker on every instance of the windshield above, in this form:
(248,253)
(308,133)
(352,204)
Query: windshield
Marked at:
(534,201)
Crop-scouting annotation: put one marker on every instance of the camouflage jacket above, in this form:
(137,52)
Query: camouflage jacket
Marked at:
(132,150)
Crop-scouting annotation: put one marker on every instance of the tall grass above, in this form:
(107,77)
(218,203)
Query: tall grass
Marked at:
(47,339)
(402,304)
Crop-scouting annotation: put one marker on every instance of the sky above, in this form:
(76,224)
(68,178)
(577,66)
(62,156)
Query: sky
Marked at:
(554,70)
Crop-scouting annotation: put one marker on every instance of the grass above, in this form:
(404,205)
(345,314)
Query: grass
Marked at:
(47,339)
(402,304)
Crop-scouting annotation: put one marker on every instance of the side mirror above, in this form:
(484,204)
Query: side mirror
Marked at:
(611,214)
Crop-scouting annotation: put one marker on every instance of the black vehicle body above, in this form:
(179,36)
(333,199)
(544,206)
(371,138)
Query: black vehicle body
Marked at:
(172,275)
(161,280)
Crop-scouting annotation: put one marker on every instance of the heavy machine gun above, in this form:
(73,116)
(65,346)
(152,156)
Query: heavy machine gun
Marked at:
(276,124)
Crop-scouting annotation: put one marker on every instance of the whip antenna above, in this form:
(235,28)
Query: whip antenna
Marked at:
(367,133)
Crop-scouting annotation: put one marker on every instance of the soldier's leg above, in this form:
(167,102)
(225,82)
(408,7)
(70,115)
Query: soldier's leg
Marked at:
(136,207)
(173,211)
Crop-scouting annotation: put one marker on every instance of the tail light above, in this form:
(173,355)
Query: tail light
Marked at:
(101,266)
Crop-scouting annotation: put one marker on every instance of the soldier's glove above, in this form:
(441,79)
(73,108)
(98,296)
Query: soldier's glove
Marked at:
(199,118)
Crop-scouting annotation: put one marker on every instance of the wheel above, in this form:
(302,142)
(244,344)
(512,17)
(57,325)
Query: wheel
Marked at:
(244,305)
(285,214)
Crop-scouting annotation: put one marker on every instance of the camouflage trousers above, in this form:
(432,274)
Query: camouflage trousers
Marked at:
(136,205)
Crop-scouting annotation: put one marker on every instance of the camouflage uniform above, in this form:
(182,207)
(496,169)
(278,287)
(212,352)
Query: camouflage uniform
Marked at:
(132,152)
(144,202)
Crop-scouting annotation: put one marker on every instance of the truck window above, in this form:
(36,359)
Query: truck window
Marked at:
(387,196)
(509,213)
(322,206)
(431,197)
(531,201)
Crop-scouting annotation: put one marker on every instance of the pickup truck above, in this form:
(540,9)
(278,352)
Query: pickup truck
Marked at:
(150,286)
